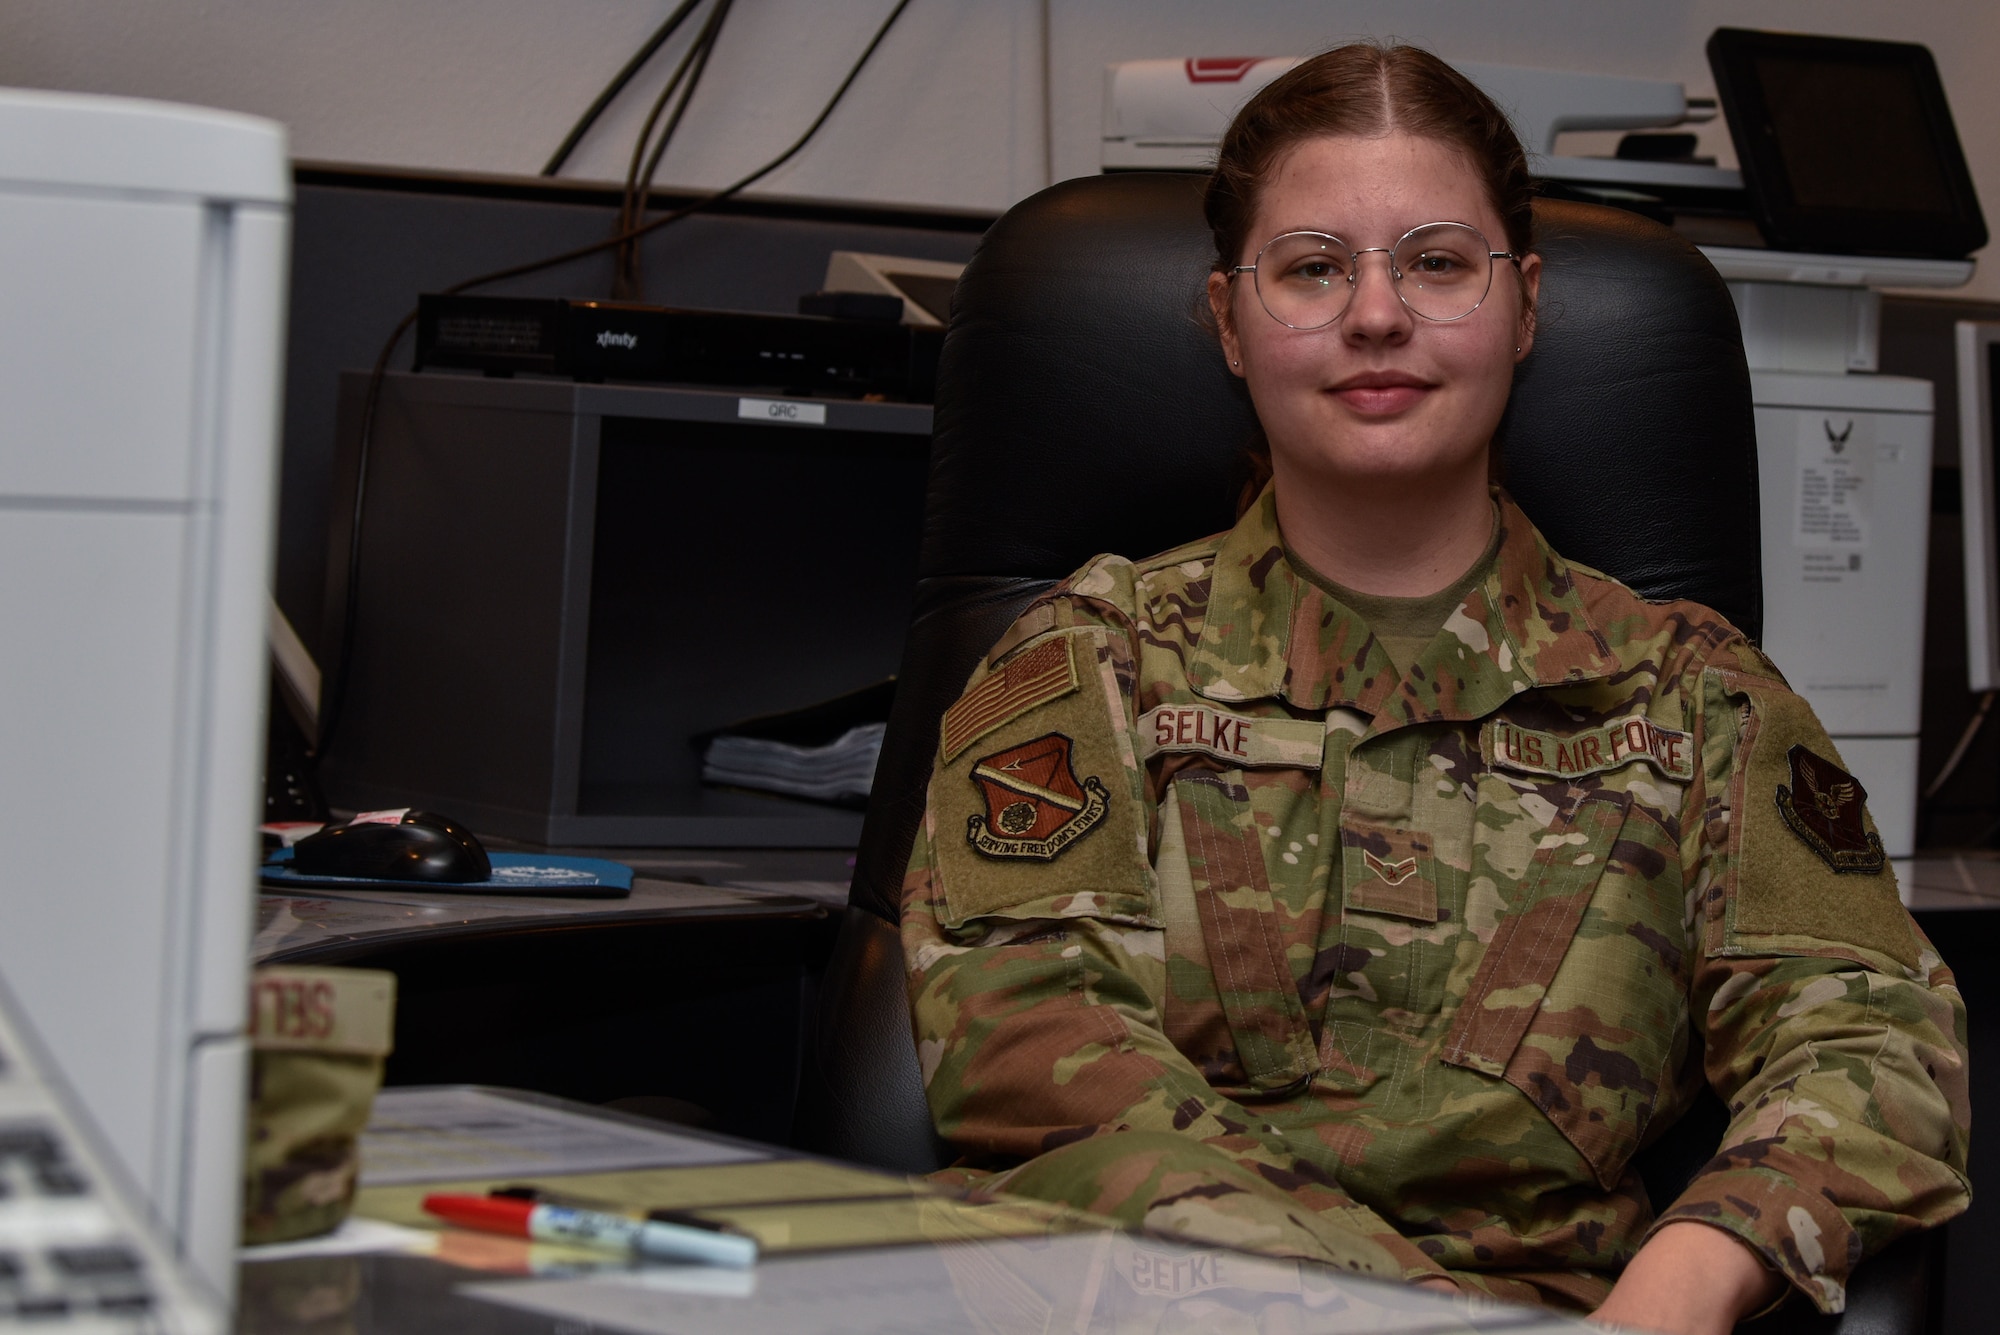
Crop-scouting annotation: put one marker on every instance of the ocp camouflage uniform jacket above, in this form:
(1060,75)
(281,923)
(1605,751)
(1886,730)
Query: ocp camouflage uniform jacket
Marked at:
(1412,966)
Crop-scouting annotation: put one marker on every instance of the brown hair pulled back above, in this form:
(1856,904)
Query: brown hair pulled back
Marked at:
(1365,89)
(1368,90)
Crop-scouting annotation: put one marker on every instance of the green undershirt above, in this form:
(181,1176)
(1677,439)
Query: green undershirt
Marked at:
(1405,626)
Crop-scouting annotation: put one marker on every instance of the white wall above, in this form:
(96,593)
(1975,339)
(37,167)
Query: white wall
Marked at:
(948,113)
(951,112)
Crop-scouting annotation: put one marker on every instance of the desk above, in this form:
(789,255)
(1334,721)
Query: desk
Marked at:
(1951,882)
(689,992)
(348,927)
(903,1256)
(1955,898)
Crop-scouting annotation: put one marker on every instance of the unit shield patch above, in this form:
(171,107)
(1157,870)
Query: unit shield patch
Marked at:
(1035,805)
(1823,807)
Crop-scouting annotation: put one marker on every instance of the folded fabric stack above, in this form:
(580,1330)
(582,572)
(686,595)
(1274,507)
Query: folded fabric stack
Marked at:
(841,770)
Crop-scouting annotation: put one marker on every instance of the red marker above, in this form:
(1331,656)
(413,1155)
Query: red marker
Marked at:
(543,1222)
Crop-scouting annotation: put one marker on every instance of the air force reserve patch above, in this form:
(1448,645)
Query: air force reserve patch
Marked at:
(1823,806)
(1035,806)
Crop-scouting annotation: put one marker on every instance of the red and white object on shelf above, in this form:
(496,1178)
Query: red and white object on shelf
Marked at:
(1169,115)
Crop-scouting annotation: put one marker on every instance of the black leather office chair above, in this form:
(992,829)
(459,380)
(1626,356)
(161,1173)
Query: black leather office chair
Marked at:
(1083,407)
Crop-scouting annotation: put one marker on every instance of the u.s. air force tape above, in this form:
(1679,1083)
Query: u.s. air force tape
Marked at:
(1236,739)
(1588,750)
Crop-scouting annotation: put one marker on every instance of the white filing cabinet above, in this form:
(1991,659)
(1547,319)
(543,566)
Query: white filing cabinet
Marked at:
(143,262)
(1844,477)
(1844,470)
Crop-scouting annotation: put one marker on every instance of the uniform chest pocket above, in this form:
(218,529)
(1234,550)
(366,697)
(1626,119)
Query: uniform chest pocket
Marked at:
(1232,1004)
(1569,1021)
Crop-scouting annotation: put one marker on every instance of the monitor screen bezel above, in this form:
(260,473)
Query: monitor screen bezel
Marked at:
(1949,233)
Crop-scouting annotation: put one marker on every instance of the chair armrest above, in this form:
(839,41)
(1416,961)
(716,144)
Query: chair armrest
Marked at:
(862,1096)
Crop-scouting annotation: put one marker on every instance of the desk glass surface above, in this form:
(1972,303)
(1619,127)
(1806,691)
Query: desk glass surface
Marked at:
(1082,1283)
(938,1264)
(1079,1284)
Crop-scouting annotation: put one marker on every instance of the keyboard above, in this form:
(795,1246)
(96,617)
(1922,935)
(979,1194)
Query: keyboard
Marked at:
(78,1252)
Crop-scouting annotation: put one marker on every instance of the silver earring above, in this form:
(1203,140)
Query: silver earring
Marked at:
(1517,349)
(1234,362)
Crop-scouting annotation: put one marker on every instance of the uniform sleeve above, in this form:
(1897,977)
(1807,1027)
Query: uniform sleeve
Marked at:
(1037,964)
(1832,1029)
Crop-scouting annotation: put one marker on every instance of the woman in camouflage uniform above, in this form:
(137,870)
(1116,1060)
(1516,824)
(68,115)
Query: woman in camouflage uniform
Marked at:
(1368,883)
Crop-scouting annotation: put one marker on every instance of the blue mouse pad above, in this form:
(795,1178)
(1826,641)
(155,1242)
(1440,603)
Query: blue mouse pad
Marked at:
(542,874)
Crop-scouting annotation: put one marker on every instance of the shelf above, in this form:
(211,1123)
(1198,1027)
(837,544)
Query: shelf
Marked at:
(660,403)
(562,584)
(1743,264)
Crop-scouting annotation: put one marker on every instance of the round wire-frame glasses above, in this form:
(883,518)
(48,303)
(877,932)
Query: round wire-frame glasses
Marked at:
(1441,271)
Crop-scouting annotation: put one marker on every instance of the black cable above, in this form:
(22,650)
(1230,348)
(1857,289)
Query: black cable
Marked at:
(659,150)
(336,694)
(645,136)
(616,86)
(639,172)
(706,42)
(706,201)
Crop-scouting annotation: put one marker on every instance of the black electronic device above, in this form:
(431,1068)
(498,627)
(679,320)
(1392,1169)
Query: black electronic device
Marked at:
(1846,146)
(604,340)
(395,846)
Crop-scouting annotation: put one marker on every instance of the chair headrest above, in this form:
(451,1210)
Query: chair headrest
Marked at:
(1084,407)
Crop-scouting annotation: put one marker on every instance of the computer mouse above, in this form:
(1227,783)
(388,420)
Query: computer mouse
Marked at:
(395,846)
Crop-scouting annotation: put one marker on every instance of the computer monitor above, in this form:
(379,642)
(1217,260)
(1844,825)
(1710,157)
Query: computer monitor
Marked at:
(1979,484)
(1847,146)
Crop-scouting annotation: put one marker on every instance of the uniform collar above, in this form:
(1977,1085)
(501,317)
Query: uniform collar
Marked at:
(1269,631)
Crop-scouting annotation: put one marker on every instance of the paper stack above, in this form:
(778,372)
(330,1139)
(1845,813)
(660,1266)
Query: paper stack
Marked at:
(839,771)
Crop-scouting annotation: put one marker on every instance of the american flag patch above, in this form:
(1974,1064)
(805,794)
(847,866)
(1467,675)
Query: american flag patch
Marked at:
(1042,674)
